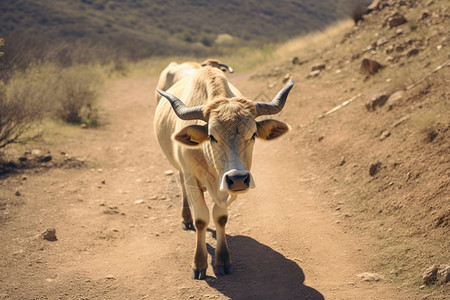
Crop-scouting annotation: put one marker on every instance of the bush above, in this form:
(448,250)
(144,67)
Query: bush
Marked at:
(358,11)
(23,103)
(46,91)
(75,95)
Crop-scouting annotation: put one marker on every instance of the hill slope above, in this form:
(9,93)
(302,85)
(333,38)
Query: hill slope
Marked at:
(144,28)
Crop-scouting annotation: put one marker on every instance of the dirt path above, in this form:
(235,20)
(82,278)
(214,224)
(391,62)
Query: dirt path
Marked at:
(116,214)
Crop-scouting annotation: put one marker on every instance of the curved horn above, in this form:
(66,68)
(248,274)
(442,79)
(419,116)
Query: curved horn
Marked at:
(183,112)
(277,104)
(230,69)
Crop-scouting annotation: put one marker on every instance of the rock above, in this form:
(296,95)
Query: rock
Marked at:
(370,277)
(168,172)
(435,273)
(377,5)
(320,66)
(396,20)
(139,201)
(374,168)
(412,52)
(297,61)
(394,99)
(49,234)
(370,67)
(44,159)
(17,193)
(425,14)
(400,121)
(313,74)
(382,42)
(377,100)
(109,276)
(36,152)
(84,126)
(286,78)
(384,135)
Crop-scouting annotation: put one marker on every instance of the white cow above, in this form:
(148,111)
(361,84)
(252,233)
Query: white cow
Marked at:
(174,72)
(207,130)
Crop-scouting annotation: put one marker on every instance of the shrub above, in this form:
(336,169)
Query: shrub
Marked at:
(75,95)
(23,103)
(358,11)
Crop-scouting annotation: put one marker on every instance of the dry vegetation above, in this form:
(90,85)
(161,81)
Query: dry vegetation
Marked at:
(150,28)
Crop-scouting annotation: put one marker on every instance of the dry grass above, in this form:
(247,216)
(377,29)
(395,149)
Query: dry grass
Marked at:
(313,41)
(46,91)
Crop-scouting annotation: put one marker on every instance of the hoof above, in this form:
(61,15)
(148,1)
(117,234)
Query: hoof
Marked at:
(188,225)
(223,270)
(198,274)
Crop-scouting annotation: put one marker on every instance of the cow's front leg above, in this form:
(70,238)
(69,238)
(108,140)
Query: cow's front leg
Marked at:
(222,260)
(187,223)
(201,217)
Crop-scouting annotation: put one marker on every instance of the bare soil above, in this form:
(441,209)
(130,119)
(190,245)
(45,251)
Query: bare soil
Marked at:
(117,218)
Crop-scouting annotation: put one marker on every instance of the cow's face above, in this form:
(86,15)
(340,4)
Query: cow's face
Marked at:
(228,139)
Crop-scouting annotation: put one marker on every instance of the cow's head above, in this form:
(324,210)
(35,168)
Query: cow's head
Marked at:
(230,132)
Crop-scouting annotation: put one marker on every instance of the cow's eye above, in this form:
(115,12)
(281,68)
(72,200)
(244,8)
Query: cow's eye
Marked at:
(212,139)
(254,136)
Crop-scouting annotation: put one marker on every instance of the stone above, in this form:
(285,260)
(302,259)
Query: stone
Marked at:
(396,20)
(36,152)
(435,273)
(377,100)
(320,66)
(286,78)
(370,67)
(384,135)
(139,201)
(297,61)
(412,52)
(44,159)
(394,99)
(49,234)
(313,74)
(370,277)
(382,42)
(168,172)
(374,168)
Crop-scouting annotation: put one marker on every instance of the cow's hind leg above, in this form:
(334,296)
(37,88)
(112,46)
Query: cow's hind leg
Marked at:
(222,260)
(186,223)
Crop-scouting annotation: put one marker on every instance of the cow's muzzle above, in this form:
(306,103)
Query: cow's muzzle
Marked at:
(236,181)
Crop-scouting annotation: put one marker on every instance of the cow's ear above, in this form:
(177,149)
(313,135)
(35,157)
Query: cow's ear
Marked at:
(271,129)
(192,135)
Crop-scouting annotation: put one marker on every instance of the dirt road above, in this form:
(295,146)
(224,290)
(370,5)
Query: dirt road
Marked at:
(116,211)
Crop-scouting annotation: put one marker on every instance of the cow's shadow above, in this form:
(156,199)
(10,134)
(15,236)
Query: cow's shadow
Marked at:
(260,272)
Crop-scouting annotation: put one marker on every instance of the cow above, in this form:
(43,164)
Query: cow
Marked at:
(207,131)
(174,72)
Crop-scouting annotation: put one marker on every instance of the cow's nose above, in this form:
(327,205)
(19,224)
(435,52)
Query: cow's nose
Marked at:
(238,182)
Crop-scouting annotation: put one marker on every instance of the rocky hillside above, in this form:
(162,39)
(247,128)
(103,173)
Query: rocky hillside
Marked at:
(375,117)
